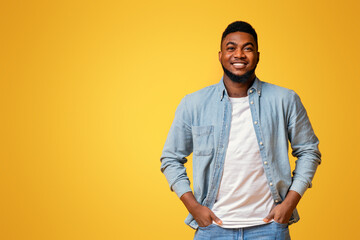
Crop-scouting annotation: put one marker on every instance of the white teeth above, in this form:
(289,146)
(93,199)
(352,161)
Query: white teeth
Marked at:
(238,64)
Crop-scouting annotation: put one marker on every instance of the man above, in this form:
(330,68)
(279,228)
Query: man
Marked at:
(238,131)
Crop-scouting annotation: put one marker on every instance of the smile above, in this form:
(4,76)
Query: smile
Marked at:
(239,65)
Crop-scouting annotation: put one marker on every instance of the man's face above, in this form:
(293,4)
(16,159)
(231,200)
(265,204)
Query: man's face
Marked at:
(239,56)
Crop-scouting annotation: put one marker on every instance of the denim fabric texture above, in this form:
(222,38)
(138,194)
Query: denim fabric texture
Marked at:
(270,231)
(201,126)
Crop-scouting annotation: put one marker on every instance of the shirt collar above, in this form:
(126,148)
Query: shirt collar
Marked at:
(255,87)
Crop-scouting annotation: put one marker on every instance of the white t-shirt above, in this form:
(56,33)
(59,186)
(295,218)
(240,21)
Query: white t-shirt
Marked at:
(244,197)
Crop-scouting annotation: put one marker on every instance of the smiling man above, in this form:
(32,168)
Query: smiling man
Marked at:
(238,131)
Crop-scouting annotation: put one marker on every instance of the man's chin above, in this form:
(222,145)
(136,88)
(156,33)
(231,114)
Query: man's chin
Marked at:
(243,78)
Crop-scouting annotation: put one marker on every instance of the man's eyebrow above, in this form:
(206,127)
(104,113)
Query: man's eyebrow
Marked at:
(248,43)
(230,43)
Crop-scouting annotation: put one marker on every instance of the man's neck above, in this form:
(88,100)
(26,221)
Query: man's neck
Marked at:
(235,89)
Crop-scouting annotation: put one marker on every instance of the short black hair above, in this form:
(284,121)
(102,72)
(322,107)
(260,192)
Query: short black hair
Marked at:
(240,26)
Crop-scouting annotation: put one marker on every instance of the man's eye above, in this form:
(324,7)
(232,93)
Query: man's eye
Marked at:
(230,48)
(248,49)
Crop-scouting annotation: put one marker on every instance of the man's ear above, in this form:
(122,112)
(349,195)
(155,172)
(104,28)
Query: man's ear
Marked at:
(258,58)
(220,53)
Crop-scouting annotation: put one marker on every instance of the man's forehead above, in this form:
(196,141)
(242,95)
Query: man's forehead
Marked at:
(239,37)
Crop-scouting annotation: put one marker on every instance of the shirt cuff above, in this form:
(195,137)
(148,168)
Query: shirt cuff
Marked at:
(181,187)
(299,187)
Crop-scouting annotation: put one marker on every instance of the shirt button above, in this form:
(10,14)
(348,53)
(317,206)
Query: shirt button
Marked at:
(271,184)
(251,102)
(265,162)
(276,201)
(255,122)
(261,143)
(251,91)
(258,92)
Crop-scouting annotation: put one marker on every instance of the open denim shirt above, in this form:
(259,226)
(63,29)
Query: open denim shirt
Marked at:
(202,125)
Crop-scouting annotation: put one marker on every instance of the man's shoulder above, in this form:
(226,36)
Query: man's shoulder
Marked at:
(203,99)
(276,91)
(204,93)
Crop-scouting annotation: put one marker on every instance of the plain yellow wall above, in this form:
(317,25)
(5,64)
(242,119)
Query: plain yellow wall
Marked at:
(88,91)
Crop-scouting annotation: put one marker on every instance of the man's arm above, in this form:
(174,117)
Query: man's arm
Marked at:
(177,147)
(304,146)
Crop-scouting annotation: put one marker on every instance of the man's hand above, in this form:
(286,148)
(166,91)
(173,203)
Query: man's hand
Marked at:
(282,212)
(202,215)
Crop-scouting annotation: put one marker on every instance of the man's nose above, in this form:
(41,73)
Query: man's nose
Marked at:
(239,53)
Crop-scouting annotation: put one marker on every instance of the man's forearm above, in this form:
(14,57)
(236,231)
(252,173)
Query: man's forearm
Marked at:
(292,199)
(189,201)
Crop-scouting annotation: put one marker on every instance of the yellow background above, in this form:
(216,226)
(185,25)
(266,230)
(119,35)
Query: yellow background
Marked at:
(88,91)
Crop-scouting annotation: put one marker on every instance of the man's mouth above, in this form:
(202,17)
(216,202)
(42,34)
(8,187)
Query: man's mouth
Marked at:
(239,65)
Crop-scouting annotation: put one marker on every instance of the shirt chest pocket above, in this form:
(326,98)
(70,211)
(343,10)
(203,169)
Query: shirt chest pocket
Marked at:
(203,140)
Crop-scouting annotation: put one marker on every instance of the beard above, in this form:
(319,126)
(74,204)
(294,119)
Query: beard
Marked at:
(239,79)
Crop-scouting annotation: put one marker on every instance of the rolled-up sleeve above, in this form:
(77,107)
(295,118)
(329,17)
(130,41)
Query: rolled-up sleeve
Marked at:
(304,144)
(177,147)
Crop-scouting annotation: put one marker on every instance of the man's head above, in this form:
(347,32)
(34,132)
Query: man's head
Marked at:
(239,52)
(240,26)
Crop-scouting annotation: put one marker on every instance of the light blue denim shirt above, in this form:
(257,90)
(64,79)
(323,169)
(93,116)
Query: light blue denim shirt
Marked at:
(201,126)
